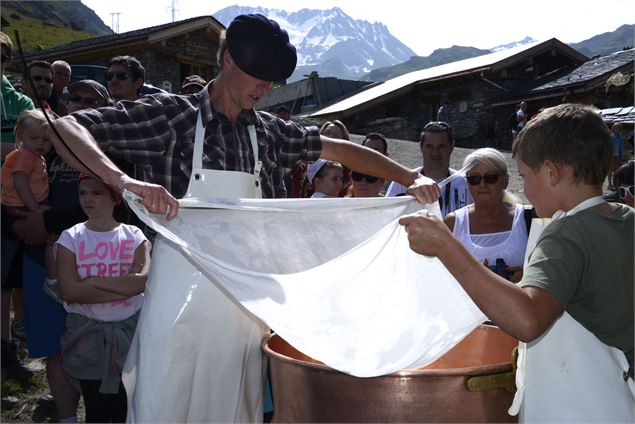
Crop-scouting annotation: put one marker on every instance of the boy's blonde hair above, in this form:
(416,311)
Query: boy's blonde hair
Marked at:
(28,119)
(568,134)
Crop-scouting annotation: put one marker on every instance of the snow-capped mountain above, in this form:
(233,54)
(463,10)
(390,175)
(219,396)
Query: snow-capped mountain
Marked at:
(331,42)
(524,41)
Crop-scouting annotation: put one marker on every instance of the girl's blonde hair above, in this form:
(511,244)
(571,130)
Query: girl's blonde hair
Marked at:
(29,119)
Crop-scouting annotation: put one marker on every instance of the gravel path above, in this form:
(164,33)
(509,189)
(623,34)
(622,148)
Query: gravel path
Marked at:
(408,154)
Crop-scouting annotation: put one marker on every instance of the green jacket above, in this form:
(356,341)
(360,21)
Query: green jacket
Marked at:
(12,104)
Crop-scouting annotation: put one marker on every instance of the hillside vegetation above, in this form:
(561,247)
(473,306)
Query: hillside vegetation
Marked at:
(599,45)
(608,42)
(46,24)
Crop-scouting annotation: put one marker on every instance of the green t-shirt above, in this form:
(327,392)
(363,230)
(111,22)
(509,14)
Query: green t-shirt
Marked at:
(586,261)
(12,104)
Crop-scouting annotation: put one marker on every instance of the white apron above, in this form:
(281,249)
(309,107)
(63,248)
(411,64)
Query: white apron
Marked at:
(568,374)
(230,368)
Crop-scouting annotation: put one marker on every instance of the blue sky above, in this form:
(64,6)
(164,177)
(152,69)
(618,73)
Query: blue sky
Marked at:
(422,25)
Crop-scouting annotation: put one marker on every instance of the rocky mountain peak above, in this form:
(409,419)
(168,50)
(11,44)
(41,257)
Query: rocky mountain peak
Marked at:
(331,42)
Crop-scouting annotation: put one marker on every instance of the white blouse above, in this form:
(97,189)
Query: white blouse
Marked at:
(509,245)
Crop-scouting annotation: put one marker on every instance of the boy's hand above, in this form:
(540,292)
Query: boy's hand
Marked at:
(425,190)
(427,234)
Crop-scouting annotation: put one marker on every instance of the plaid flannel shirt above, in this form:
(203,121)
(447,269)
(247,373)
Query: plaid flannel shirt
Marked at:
(156,134)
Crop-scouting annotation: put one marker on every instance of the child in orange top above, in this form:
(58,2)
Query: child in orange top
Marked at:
(25,185)
(24,177)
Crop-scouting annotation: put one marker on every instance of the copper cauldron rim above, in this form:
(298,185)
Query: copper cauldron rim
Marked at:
(409,372)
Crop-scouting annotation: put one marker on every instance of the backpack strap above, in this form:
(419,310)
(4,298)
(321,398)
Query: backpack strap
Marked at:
(529,214)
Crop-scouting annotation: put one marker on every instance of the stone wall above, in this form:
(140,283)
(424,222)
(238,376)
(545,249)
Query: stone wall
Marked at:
(473,120)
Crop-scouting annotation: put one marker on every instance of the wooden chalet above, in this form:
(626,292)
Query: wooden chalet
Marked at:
(168,52)
(482,92)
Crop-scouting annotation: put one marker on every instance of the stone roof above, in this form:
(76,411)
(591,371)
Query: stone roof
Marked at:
(591,70)
(619,114)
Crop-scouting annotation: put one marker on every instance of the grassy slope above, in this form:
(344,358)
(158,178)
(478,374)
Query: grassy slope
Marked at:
(35,34)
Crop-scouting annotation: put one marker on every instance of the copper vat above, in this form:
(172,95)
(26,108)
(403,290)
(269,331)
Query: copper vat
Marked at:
(473,382)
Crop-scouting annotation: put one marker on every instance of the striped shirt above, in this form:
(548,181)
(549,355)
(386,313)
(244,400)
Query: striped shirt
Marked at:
(156,134)
(454,196)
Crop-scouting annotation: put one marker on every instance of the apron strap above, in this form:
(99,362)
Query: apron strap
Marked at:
(254,146)
(199,140)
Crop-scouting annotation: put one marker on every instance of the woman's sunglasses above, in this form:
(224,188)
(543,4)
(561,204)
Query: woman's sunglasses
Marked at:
(476,179)
(624,190)
(121,75)
(357,176)
(88,101)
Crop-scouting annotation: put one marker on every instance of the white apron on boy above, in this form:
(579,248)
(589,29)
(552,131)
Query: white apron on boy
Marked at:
(568,375)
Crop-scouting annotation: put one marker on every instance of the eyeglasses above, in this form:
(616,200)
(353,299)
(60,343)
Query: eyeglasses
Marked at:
(624,190)
(488,178)
(38,78)
(357,176)
(88,101)
(121,75)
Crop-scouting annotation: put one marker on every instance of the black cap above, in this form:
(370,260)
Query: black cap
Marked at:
(261,48)
(99,89)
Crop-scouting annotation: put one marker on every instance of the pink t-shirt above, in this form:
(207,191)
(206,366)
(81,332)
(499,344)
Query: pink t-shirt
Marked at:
(104,254)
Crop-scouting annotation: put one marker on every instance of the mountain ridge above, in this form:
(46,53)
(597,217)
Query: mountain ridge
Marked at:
(328,41)
(331,42)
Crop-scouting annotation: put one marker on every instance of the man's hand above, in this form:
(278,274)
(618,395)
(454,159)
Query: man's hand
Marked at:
(425,190)
(427,234)
(155,198)
(31,229)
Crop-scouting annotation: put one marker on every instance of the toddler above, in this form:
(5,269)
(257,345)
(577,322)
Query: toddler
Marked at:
(327,178)
(24,177)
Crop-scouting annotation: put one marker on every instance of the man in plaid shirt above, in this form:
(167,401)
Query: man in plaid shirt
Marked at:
(157,134)
(157,131)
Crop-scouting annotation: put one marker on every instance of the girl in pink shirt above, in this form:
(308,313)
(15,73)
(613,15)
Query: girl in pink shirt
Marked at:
(102,270)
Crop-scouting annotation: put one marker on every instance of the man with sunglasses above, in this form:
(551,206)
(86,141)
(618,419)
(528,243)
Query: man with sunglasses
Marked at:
(11,105)
(125,77)
(367,185)
(13,102)
(161,134)
(436,144)
(41,74)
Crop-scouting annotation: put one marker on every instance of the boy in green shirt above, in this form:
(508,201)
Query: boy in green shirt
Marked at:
(583,261)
